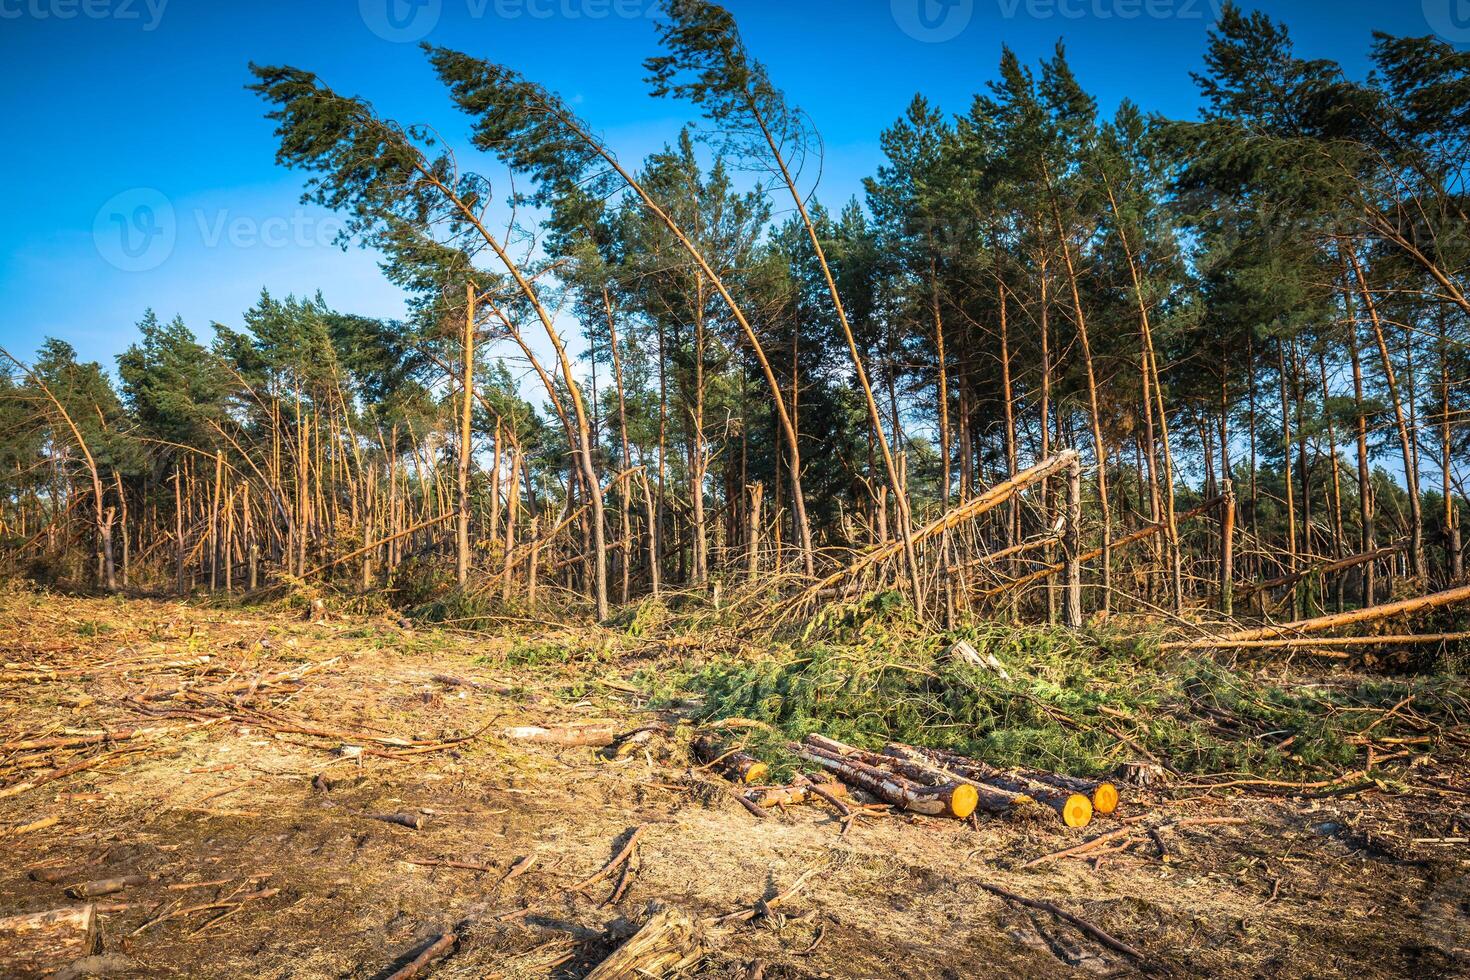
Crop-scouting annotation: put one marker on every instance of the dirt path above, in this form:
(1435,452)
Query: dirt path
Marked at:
(270,786)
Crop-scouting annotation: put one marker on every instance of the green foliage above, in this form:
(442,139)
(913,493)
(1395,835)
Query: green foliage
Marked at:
(1077,703)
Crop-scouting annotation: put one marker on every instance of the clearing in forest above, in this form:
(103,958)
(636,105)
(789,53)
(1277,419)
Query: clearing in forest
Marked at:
(238,792)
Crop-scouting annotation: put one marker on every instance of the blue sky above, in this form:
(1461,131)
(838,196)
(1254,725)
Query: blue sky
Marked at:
(109,106)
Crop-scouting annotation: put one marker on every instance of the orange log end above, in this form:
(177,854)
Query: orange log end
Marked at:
(1077,811)
(1105,798)
(756,773)
(964,801)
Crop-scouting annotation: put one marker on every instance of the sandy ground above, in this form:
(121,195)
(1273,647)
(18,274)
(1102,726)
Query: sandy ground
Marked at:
(269,789)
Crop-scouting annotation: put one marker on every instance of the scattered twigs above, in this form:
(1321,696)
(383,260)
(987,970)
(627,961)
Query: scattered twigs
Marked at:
(518,869)
(461,865)
(254,896)
(618,859)
(1111,942)
(764,906)
(1127,832)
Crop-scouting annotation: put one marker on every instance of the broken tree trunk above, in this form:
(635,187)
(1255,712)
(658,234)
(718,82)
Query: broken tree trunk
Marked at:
(1386,640)
(669,942)
(1136,536)
(956,516)
(41,943)
(1370,614)
(1323,568)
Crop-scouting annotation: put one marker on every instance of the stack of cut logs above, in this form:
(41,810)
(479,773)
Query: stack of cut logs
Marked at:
(935,782)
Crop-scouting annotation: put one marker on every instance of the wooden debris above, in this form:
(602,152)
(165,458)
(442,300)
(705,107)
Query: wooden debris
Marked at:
(617,860)
(230,904)
(595,734)
(440,947)
(965,652)
(795,793)
(40,943)
(738,766)
(669,942)
(1068,801)
(107,886)
(954,799)
(1080,923)
(1317,624)
(413,821)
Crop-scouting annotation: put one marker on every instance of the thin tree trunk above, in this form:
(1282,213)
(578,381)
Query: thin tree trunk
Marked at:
(466,417)
(1411,474)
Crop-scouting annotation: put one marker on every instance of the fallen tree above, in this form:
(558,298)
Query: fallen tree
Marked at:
(1369,614)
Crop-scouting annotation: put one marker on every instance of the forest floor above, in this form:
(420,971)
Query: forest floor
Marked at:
(253,813)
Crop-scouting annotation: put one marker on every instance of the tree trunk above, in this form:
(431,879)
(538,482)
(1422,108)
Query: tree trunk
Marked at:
(1411,470)
(466,417)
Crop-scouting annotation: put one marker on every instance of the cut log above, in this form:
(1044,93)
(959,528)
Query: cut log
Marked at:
(42,943)
(988,799)
(740,767)
(1073,807)
(955,798)
(413,821)
(1102,794)
(107,886)
(598,734)
(669,942)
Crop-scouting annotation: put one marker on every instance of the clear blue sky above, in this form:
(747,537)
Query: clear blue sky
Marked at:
(112,104)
